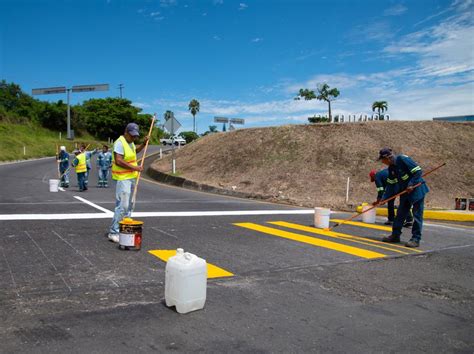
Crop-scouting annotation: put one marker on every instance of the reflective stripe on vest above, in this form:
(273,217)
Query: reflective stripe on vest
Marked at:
(130,156)
(81,165)
(405,177)
(392,181)
(414,169)
(379,189)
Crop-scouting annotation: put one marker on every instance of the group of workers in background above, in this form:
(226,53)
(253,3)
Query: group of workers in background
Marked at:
(82,165)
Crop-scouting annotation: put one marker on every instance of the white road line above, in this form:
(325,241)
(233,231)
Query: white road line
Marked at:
(109,214)
(94,205)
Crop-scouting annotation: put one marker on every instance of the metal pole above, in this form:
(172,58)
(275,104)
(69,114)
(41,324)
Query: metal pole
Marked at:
(347,190)
(68,116)
(172,151)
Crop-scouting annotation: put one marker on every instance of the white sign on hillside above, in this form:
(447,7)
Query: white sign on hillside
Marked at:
(172,125)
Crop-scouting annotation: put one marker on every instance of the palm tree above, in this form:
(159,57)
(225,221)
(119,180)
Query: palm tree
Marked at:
(325,93)
(193,107)
(380,106)
(168,115)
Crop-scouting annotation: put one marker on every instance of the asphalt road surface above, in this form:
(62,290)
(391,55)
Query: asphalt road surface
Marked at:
(281,285)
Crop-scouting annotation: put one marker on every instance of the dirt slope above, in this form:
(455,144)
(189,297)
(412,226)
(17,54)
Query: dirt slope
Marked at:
(308,165)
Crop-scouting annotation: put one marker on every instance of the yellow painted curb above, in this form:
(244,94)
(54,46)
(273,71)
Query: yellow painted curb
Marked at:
(434,214)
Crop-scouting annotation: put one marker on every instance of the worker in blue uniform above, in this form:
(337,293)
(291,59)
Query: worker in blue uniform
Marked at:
(380,180)
(104,164)
(63,159)
(405,173)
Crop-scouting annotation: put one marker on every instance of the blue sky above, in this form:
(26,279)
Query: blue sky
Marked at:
(247,58)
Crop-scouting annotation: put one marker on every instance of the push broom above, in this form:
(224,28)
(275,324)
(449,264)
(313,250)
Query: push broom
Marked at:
(384,201)
(134,197)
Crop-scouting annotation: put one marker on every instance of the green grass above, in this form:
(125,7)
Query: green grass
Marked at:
(38,141)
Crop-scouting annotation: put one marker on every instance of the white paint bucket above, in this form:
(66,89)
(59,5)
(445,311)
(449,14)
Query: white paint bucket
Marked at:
(321,217)
(53,185)
(369,217)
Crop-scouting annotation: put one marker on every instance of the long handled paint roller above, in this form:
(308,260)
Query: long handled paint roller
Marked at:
(385,200)
(134,198)
(57,161)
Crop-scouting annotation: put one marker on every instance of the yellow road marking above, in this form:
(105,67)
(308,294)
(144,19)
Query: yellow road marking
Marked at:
(339,235)
(359,252)
(363,224)
(212,270)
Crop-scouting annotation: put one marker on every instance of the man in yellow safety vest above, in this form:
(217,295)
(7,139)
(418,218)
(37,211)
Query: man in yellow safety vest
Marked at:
(125,171)
(79,164)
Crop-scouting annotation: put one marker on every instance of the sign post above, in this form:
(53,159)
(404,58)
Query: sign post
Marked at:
(231,121)
(63,89)
(172,125)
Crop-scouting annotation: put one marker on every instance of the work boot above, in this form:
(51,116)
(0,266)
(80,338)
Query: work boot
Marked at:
(391,239)
(408,224)
(412,243)
(388,222)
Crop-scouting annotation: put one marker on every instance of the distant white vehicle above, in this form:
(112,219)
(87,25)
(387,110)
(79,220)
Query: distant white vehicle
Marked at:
(176,140)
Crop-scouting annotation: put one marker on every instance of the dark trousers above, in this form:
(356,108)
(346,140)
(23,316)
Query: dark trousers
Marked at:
(402,213)
(391,212)
(81,180)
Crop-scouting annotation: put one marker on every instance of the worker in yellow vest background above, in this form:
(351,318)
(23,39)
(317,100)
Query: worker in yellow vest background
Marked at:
(125,172)
(79,164)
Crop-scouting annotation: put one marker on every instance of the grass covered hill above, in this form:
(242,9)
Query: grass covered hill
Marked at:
(308,165)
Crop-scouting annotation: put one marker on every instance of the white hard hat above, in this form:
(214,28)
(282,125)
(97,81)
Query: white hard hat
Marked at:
(63,148)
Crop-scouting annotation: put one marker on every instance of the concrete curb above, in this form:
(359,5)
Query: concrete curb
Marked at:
(185,183)
(435,214)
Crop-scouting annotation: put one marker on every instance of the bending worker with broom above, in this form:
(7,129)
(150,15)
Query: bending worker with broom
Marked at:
(407,174)
(125,170)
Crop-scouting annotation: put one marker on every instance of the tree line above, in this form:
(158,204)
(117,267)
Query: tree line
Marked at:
(103,118)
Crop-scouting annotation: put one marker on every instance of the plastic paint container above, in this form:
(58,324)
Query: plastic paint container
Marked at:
(185,282)
(369,217)
(53,185)
(130,234)
(321,217)
(461,203)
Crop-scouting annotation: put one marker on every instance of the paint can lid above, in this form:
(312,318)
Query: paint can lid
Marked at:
(130,221)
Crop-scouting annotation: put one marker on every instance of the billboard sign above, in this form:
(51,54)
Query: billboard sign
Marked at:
(49,90)
(88,88)
(237,121)
(221,120)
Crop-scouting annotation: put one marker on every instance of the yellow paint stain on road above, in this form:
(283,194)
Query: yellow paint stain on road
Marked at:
(212,270)
(363,224)
(338,235)
(359,252)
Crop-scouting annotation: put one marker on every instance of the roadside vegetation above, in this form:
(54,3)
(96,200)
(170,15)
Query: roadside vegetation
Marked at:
(31,128)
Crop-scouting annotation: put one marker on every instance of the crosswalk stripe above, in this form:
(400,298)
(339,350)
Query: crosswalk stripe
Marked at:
(359,252)
(212,270)
(374,241)
(341,236)
(363,224)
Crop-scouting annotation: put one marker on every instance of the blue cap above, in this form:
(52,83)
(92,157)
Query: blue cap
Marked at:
(132,129)
(385,152)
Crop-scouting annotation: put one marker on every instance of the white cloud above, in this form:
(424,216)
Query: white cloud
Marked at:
(380,31)
(216,38)
(242,6)
(153,14)
(395,10)
(256,40)
(168,3)
(440,50)
(141,105)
